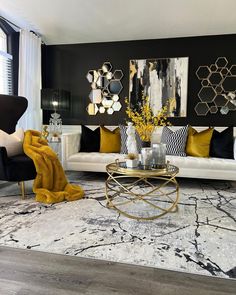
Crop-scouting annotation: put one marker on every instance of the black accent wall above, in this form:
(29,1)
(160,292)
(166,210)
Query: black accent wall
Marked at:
(66,66)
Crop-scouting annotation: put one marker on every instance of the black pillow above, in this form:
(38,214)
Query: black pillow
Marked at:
(90,140)
(222,144)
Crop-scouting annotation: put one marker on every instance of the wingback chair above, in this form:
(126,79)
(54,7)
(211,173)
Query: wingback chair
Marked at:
(17,168)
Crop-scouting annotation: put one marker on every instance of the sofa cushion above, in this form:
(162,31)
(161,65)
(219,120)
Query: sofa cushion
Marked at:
(12,142)
(222,144)
(124,136)
(90,140)
(181,162)
(109,140)
(175,140)
(198,143)
(96,157)
(203,163)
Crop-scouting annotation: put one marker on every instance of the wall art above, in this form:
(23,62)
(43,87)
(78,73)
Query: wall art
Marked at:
(163,80)
(105,89)
(218,88)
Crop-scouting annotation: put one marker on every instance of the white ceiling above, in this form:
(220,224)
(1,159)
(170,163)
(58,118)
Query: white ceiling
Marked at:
(81,21)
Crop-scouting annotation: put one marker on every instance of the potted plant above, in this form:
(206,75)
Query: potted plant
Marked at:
(131,161)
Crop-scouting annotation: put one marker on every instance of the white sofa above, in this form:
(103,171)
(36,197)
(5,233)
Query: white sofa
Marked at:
(192,167)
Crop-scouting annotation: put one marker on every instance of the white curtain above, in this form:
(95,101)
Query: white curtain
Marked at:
(29,84)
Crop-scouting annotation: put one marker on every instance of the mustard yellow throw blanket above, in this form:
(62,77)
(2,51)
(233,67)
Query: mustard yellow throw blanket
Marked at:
(50,184)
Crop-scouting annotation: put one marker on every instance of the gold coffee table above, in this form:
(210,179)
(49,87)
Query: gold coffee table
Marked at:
(142,194)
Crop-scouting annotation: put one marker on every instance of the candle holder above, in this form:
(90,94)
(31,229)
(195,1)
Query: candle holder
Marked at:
(146,158)
(159,155)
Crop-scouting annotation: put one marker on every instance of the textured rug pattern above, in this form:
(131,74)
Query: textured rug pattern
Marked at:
(199,238)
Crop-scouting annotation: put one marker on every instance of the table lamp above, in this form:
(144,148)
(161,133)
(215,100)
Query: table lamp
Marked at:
(55,100)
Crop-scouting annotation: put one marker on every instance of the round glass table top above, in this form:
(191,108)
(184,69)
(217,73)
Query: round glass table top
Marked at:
(121,168)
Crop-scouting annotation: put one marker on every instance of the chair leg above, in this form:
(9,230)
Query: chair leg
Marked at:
(22,188)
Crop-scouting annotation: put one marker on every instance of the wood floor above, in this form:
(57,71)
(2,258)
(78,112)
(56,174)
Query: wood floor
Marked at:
(28,272)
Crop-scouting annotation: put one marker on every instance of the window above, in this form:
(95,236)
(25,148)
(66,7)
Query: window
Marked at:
(6,73)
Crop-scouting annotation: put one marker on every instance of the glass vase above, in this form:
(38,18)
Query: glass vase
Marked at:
(159,155)
(146,158)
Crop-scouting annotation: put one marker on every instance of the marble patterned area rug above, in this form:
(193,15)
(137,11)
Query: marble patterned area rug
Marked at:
(199,238)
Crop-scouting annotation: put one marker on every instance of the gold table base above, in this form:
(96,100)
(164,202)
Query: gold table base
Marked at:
(153,192)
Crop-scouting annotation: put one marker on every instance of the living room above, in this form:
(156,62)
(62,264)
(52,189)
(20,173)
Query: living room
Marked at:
(117,147)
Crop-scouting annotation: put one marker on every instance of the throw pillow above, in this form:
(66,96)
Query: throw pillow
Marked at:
(198,143)
(109,140)
(124,136)
(175,140)
(90,140)
(222,144)
(12,142)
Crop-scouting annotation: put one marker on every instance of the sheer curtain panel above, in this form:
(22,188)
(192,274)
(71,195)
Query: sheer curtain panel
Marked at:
(29,84)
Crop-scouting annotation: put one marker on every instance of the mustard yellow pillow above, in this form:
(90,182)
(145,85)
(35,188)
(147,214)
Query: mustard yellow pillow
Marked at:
(198,143)
(109,140)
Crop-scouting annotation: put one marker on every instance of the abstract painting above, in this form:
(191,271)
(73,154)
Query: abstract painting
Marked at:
(163,80)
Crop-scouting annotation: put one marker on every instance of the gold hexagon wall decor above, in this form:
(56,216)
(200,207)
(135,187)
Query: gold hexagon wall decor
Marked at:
(218,87)
(203,72)
(106,87)
(92,109)
(202,108)
(221,62)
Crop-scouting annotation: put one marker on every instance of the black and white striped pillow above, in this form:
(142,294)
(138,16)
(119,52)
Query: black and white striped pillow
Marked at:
(175,141)
(123,137)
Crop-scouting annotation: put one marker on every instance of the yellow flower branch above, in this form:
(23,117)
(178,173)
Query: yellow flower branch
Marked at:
(144,120)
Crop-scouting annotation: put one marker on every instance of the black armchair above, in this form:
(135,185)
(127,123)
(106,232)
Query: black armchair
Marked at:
(18,168)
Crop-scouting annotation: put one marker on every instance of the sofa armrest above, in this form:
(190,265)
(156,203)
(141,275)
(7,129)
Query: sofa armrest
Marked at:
(70,144)
(3,163)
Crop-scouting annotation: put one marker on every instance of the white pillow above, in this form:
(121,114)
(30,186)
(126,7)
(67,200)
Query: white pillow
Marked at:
(12,142)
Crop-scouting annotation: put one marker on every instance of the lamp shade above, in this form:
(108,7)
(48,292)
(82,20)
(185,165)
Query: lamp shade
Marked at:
(55,99)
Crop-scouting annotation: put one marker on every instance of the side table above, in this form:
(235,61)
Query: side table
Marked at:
(56,146)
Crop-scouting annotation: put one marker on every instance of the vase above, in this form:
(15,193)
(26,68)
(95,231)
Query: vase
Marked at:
(146,144)
(159,155)
(146,157)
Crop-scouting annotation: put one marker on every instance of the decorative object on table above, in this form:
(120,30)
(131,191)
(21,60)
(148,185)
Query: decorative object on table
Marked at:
(175,140)
(164,81)
(159,155)
(145,121)
(131,139)
(105,89)
(45,132)
(131,160)
(218,86)
(124,136)
(50,184)
(56,100)
(146,158)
